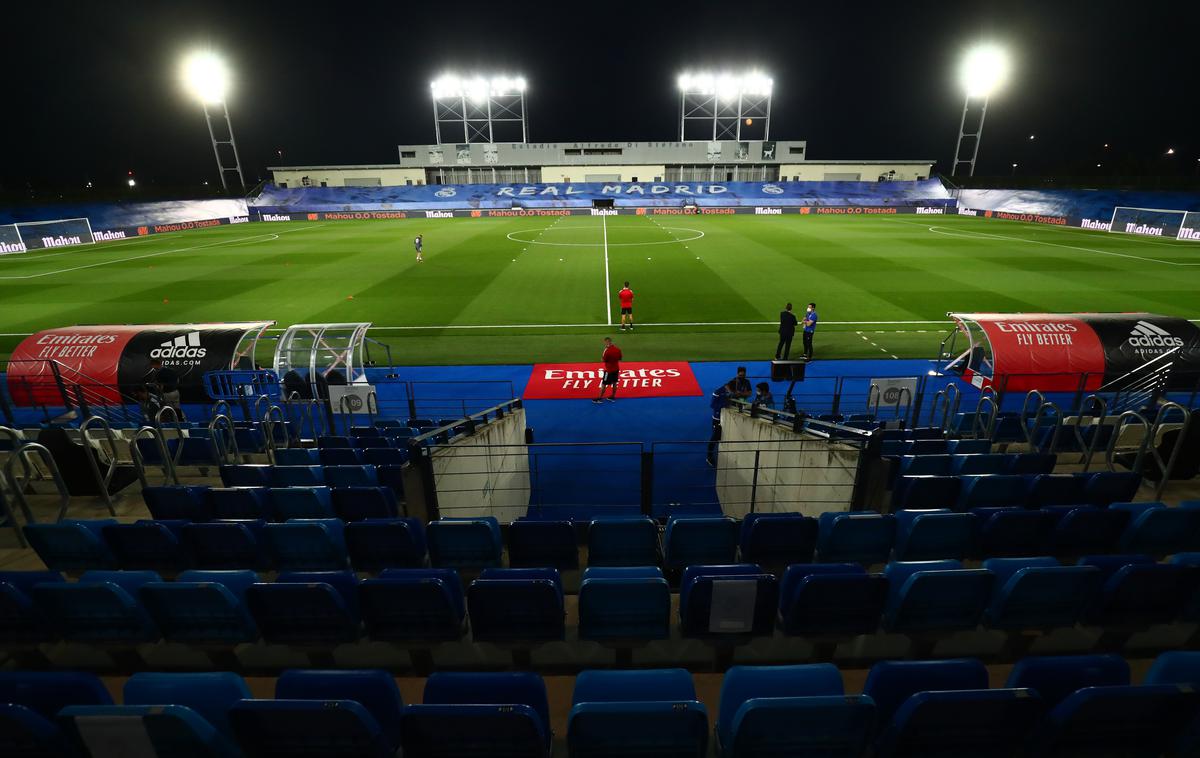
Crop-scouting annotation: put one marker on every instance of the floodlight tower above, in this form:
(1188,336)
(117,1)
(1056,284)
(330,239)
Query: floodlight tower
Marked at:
(480,107)
(983,71)
(718,106)
(207,79)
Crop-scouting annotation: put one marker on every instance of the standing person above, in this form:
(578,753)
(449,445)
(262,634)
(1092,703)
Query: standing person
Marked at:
(418,243)
(787,330)
(740,385)
(720,398)
(626,298)
(810,326)
(612,369)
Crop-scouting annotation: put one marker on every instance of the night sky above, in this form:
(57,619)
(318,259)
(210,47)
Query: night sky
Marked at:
(92,88)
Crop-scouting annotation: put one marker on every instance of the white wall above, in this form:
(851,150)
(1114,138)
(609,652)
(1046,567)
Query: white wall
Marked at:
(815,171)
(336,177)
(579,173)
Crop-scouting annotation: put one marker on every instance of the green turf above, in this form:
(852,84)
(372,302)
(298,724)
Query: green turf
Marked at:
(548,275)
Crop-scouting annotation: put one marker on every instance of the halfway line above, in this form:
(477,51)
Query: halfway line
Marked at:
(607,296)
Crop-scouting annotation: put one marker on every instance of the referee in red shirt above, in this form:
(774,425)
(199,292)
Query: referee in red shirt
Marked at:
(626,298)
(612,369)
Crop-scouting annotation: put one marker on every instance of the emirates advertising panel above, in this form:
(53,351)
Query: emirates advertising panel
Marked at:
(580,381)
(1053,352)
(111,360)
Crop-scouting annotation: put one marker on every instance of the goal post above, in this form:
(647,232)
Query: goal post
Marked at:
(1190,228)
(63,232)
(10,240)
(1147,222)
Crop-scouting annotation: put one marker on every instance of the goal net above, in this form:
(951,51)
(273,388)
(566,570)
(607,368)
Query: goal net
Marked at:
(1190,229)
(63,232)
(1148,222)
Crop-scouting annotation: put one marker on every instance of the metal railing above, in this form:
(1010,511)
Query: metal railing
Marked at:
(20,485)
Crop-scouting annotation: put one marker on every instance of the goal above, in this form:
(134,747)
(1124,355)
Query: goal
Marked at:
(1155,222)
(36,235)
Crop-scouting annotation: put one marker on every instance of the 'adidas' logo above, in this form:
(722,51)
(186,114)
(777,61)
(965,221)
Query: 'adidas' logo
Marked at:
(183,346)
(1144,334)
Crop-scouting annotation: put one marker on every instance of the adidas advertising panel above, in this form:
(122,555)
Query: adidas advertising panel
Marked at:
(106,358)
(1056,352)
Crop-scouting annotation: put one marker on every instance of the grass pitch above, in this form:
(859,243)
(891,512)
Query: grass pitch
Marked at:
(520,290)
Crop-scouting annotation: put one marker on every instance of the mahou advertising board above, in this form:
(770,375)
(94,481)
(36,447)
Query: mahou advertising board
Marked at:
(113,359)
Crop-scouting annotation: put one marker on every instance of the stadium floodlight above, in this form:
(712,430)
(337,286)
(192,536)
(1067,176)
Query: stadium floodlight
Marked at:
(206,78)
(723,102)
(478,104)
(1170,151)
(983,71)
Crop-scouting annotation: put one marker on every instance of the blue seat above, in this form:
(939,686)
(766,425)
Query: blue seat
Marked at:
(373,689)
(855,537)
(246,475)
(385,456)
(377,544)
(226,544)
(340,456)
(646,713)
(209,694)
(27,734)
(365,431)
(333,728)
(149,545)
(72,545)
(102,607)
(177,503)
(1056,677)
(777,539)
(1032,463)
(623,542)
(542,544)
(894,448)
(1106,487)
(413,605)
(517,606)
(330,440)
(978,722)
(464,715)
(202,607)
(392,477)
(1084,529)
(1010,532)
(830,598)
(993,490)
(237,502)
(926,465)
(1117,721)
(360,503)
(1154,529)
(351,476)
(307,545)
(729,601)
(1039,593)
(931,534)
(983,463)
(791,710)
(1141,594)
(624,604)
(935,595)
(20,622)
(925,492)
(297,476)
(465,543)
(297,456)
(1058,489)
(890,683)
(195,451)
(306,608)
(366,443)
(968,447)
(1175,667)
(699,541)
(300,502)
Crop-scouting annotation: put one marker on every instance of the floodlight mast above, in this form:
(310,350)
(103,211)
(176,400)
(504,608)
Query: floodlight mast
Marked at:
(478,105)
(207,79)
(721,104)
(983,71)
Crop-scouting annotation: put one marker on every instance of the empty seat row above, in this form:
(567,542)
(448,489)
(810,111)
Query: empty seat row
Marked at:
(340,456)
(975,463)
(199,504)
(896,444)
(356,475)
(617,606)
(1056,705)
(964,492)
